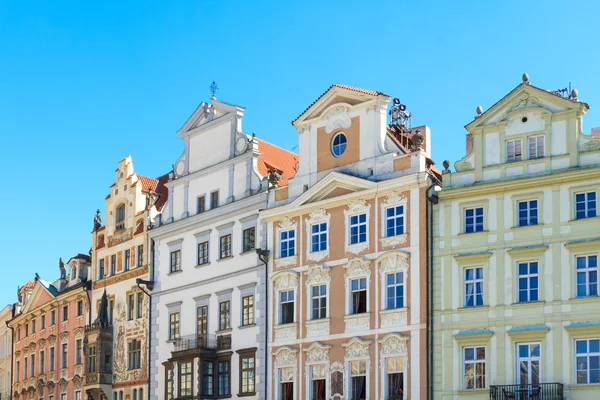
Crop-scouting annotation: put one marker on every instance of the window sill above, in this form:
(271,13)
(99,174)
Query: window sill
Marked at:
(206,264)
(247,326)
(389,241)
(286,261)
(175,272)
(484,232)
(472,392)
(597,217)
(246,394)
(223,331)
(584,386)
(224,258)
(474,308)
(524,227)
(524,304)
(252,250)
(585,299)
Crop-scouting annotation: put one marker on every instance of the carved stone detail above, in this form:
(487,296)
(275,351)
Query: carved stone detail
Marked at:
(393,344)
(287,223)
(395,317)
(286,281)
(285,357)
(357,267)
(317,274)
(393,262)
(317,327)
(337,118)
(317,352)
(286,262)
(286,332)
(393,240)
(357,322)
(357,348)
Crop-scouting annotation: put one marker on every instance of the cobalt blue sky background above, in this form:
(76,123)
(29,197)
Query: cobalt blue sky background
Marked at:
(83,84)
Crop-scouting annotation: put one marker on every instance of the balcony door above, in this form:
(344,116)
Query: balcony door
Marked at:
(528,363)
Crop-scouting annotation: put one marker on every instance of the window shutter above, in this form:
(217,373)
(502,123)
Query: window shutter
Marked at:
(510,151)
(540,146)
(518,151)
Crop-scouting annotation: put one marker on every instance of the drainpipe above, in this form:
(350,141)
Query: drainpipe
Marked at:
(12,354)
(263,255)
(150,286)
(88,291)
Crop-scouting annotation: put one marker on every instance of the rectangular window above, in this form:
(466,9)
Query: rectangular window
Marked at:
(33,326)
(318,301)
(64,360)
(25,370)
(223,378)
(52,360)
(17,370)
(91,361)
(80,308)
(395,290)
(394,221)
(286,304)
(528,282)
(528,212)
(42,361)
(249,239)
(43,322)
(127,259)
(130,307)
(473,287)
(358,380)
(247,310)
(169,382)
(224,316)
(317,382)
(113,264)
(287,243)
(176,261)
(202,253)
(358,228)
(536,147)
(101,270)
(528,363)
(134,354)
(514,150)
(225,248)
(78,349)
(63,396)
(395,377)
(358,296)
(26,330)
(247,367)
(474,368)
(214,199)
(111,310)
(52,317)
(140,255)
(286,383)
(185,379)
(32,366)
(200,204)
(78,395)
(318,237)
(174,326)
(202,321)
(587,275)
(207,378)
(587,360)
(65,313)
(474,219)
(585,205)
(139,305)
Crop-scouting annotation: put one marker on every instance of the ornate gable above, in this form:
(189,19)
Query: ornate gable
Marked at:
(333,185)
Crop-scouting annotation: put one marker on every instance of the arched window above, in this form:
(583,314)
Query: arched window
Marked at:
(120,217)
(73,272)
(338,144)
(134,397)
(141,394)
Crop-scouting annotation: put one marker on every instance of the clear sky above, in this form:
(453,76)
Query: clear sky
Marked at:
(83,84)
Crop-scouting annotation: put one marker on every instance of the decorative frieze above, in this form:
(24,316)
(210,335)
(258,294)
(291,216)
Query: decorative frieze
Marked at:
(357,348)
(357,267)
(317,327)
(337,118)
(286,332)
(394,317)
(317,352)
(357,322)
(286,280)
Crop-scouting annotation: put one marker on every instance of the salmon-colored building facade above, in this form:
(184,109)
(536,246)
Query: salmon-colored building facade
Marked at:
(49,327)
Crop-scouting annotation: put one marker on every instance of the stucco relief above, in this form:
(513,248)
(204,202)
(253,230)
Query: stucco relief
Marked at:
(285,357)
(285,281)
(337,118)
(286,262)
(392,262)
(357,348)
(357,267)
(317,327)
(393,200)
(286,224)
(357,322)
(286,332)
(316,217)
(317,352)
(359,206)
(395,317)
(337,380)
(317,274)
(123,333)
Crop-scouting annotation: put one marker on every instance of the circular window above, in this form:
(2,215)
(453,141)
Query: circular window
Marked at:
(338,145)
(524,119)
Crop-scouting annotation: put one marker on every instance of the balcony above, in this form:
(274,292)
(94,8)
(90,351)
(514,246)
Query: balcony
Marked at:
(542,391)
(193,343)
(98,378)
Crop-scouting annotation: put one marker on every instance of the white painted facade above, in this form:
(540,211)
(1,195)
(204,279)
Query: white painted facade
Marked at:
(5,353)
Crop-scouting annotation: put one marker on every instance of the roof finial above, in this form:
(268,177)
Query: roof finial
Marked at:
(525,77)
(213,89)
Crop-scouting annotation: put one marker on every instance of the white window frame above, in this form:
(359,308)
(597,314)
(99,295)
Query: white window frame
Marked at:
(280,306)
(286,225)
(474,282)
(536,139)
(528,276)
(357,268)
(395,285)
(385,379)
(515,157)
(529,358)
(319,296)
(171,309)
(367,362)
(280,381)
(588,354)
(224,230)
(586,271)
(587,205)
(393,345)
(317,217)
(317,275)
(394,200)
(201,301)
(246,290)
(357,208)
(350,297)
(174,246)
(202,237)
(528,209)
(474,209)
(360,226)
(285,357)
(309,380)
(474,362)
(223,296)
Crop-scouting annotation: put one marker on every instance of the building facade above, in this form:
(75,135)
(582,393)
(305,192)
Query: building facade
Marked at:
(516,254)
(120,256)
(5,353)
(347,272)
(48,328)
(208,302)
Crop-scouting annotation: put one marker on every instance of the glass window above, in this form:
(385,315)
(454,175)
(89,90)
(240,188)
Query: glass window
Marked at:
(395,290)
(286,383)
(42,322)
(536,146)
(52,360)
(127,259)
(474,367)
(202,324)
(338,144)
(528,281)
(140,255)
(207,378)
(528,212)
(65,313)
(134,354)
(176,261)
(80,308)
(248,239)
(64,360)
(223,377)
(200,205)
(474,219)
(528,362)
(52,317)
(101,270)
(139,305)
(214,199)
(33,325)
(317,382)
(130,307)
(286,304)
(247,310)
(120,216)
(585,205)
(358,296)
(225,246)
(91,364)
(78,349)
(203,253)
(319,301)
(287,243)
(358,380)
(394,221)
(587,275)
(185,379)
(169,382)
(318,237)
(587,360)
(248,374)
(358,228)
(32,366)
(42,361)
(224,315)
(514,150)
(174,326)
(113,264)
(473,287)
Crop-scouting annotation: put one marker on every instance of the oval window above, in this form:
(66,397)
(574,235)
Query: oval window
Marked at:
(338,145)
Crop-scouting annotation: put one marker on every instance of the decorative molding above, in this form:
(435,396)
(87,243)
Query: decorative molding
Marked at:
(287,223)
(286,332)
(285,280)
(394,317)
(357,322)
(64,337)
(79,332)
(316,217)
(393,344)
(392,262)
(303,128)
(317,327)
(120,277)
(286,262)
(317,274)
(357,267)
(337,118)
(285,357)
(359,206)
(317,352)
(591,145)
(357,348)
(393,241)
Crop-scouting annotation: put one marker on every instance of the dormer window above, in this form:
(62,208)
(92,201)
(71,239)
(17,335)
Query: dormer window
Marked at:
(338,144)
(120,217)
(73,272)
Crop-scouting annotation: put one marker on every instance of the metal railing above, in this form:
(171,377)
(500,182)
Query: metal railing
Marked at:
(541,391)
(204,341)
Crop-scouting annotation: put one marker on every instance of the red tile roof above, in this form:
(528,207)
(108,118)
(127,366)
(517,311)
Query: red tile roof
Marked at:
(162,191)
(148,184)
(101,228)
(139,228)
(273,157)
(28,285)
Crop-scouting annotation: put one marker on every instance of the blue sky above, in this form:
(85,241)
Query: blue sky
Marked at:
(83,84)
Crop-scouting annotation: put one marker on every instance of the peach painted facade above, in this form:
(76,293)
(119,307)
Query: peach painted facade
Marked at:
(347,236)
(49,327)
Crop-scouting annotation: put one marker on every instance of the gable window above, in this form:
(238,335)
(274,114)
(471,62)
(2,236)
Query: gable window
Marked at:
(176,261)
(185,379)
(317,382)
(514,150)
(338,144)
(286,306)
(225,247)
(474,219)
(247,310)
(101,271)
(224,315)
(287,243)
(528,212)
(134,354)
(248,239)
(587,275)
(318,237)
(473,287)
(358,380)
(140,255)
(585,205)
(474,368)
(130,307)
(200,204)
(286,383)
(65,313)
(247,369)
(207,378)
(120,217)
(587,360)
(223,378)
(536,147)
(358,296)
(214,199)
(174,326)
(528,281)
(358,228)
(395,290)
(113,264)
(139,304)
(319,301)
(127,259)
(203,253)
(394,221)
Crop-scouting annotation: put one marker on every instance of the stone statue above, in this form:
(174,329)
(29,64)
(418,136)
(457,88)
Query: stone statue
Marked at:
(37,277)
(19,295)
(97,220)
(63,269)
(274,177)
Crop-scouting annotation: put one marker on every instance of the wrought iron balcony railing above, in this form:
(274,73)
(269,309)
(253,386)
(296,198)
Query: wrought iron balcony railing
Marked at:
(202,342)
(542,391)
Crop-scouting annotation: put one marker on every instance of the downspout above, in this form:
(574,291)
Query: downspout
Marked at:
(263,255)
(150,286)
(88,291)
(12,354)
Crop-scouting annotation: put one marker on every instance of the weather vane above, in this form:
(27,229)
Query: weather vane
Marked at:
(213,88)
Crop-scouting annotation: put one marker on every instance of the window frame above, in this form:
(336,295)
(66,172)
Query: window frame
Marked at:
(139,305)
(474,282)
(366,374)
(64,356)
(175,260)
(180,376)
(587,208)
(249,239)
(126,260)
(280,304)
(203,253)
(248,310)
(200,204)
(528,210)
(134,354)
(214,199)
(537,146)
(174,325)
(225,315)
(320,297)
(208,383)
(226,374)
(515,158)
(474,224)
(339,147)
(587,271)
(247,356)
(395,285)
(528,276)
(225,246)
(587,354)
(310,377)
(359,289)
(140,255)
(287,242)
(475,361)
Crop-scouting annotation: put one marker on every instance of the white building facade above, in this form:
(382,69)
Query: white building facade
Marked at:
(5,352)
(207,311)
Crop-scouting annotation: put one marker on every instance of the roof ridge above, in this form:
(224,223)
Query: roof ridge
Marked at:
(279,147)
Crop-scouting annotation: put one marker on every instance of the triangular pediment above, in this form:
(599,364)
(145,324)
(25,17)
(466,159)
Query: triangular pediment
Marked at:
(39,297)
(522,99)
(333,185)
(208,115)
